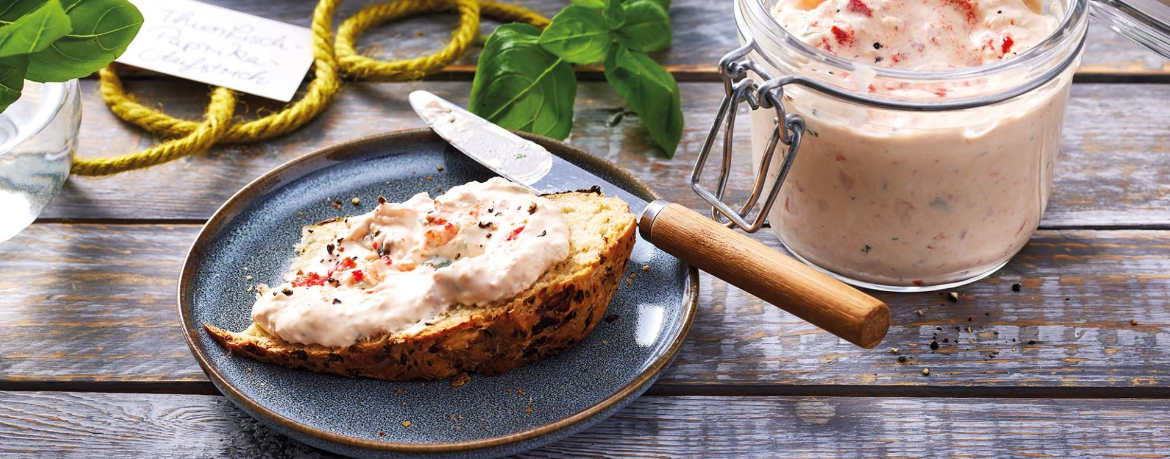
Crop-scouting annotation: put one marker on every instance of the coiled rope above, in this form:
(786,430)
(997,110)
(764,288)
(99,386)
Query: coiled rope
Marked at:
(331,62)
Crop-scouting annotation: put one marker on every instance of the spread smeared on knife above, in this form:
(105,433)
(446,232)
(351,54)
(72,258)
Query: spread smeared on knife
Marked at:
(402,264)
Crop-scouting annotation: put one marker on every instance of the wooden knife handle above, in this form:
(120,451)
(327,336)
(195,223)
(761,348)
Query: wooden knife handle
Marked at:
(773,277)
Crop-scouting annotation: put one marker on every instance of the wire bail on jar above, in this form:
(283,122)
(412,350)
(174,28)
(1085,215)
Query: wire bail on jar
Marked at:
(740,88)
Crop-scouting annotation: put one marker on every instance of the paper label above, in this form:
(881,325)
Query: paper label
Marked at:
(218,46)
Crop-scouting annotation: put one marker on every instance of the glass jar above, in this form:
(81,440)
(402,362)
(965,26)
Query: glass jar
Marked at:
(897,199)
(934,181)
(38,134)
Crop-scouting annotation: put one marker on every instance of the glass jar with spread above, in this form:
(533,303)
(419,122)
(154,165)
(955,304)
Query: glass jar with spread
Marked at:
(907,146)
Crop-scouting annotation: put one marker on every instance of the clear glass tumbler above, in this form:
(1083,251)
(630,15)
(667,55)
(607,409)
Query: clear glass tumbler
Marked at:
(38,135)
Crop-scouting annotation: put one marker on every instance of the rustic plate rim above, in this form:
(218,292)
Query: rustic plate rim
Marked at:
(240,199)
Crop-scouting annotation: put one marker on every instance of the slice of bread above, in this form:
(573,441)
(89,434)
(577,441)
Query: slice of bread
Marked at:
(558,311)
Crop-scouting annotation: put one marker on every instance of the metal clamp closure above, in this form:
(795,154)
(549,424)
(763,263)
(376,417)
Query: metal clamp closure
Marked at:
(740,88)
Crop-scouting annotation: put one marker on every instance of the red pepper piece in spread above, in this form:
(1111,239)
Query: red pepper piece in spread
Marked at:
(308,280)
(843,37)
(514,233)
(358,275)
(857,6)
(386,259)
(344,264)
(965,6)
(1007,44)
(825,44)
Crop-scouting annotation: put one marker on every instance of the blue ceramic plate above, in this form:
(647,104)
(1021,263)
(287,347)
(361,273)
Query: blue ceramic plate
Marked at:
(253,234)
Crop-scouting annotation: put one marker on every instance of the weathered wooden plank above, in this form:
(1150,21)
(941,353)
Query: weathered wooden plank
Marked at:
(91,303)
(1093,307)
(1113,171)
(94,296)
(52,424)
(704,30)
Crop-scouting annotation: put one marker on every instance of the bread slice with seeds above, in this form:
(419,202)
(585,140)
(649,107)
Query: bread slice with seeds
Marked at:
(553,315)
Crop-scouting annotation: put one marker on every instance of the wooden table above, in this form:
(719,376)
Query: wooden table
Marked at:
(1077,364)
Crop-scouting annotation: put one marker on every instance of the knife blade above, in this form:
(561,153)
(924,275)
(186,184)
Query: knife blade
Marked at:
(677,230)
(507,154)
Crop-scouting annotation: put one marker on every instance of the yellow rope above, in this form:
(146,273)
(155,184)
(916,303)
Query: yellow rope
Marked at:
(358,66)
(330,60)
(215,124)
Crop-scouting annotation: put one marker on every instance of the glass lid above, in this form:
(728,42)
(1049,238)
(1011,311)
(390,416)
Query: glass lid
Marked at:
(1146,22)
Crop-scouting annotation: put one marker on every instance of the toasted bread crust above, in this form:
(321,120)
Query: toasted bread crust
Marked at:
(531,326)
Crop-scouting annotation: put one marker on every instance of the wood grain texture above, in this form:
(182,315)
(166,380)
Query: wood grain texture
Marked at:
(52,424)
(1068,331)
(704,30)
(97,296)
(91,303)
(91,306)
(1113,170)
(752,266)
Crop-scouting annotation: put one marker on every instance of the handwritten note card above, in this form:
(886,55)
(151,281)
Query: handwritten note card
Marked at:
(218,46)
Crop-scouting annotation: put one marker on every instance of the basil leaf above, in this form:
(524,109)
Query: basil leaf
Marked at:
(102,29)
(614,13)
(611,9)
(595,4)
(520,85)
(34,31)
(15,9)
(11,79)
(665,4)
(651,92)
(578,35)
(647,27)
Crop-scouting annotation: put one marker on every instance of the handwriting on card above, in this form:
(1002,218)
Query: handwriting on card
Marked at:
(218,46)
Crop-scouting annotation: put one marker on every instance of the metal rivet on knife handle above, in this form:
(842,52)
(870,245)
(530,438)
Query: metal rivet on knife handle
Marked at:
(773,277)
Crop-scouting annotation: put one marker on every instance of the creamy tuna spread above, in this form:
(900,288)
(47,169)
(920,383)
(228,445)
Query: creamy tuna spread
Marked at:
(914,199)
(402,264)
(917,34)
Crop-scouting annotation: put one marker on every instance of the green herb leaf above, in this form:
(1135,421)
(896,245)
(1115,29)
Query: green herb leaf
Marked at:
(595,4)
(11,79)
(614,13)
(647,27)
(15,9)
(578,35)
(438,262)
(651,91)
(102,29)
(34,31)
(611,10)
(665,4)
(519,85)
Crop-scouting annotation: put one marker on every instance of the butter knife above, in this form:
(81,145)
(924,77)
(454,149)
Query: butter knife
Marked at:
(697,240)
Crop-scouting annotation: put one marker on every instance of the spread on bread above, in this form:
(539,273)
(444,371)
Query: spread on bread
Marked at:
(401,264)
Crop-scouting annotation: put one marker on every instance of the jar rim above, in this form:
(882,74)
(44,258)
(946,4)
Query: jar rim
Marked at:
(1077,12)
